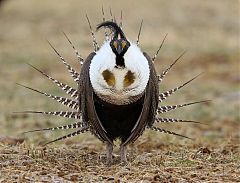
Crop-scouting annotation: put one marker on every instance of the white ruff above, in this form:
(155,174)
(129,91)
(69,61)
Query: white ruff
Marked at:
(134,60)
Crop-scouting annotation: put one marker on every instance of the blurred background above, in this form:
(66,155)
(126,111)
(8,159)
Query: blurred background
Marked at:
(207,30)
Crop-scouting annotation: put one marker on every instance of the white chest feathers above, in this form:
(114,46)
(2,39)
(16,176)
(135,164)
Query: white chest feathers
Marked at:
(119,85)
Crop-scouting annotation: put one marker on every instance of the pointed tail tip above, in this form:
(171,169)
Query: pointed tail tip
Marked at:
(30,131)
(200,123)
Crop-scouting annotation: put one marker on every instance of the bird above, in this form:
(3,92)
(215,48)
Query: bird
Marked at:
(117,94)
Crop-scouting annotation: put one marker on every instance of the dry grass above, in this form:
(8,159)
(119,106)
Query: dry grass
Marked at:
(151,162)
(208,30)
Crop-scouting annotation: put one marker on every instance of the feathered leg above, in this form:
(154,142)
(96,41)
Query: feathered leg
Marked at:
(123,154)
(109,149)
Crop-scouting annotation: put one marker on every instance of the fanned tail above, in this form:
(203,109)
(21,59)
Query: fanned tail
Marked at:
(80,126)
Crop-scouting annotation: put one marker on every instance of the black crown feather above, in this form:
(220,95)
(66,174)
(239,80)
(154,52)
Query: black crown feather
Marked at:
(114,27)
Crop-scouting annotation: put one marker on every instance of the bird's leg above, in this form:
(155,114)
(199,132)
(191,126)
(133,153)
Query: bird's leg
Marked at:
(109,149)
(123,153)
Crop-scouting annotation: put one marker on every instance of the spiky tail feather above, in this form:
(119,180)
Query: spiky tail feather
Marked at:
(164,73)
(139,33)
(68,135)
(173,120)
(64,127)
(105,29)
(65,114)
(67,89)
(121,20)
(162,109)
(80,59)
(72,72)
(164,95)
(111,14)
(64,101)
(168,132)
(156,54)
(95,44)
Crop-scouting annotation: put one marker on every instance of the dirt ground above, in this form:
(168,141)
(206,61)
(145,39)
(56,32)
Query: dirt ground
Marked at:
(209,31)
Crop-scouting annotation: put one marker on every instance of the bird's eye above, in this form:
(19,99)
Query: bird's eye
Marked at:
(115,44)
(124,43)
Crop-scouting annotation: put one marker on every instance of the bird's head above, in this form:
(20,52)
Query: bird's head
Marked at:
(119,46)
(119,43)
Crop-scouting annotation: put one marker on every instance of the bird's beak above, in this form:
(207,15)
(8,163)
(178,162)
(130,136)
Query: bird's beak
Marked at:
(119,49)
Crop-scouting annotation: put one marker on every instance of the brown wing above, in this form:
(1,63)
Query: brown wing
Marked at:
(147,116)
(153,90)
(86,102)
